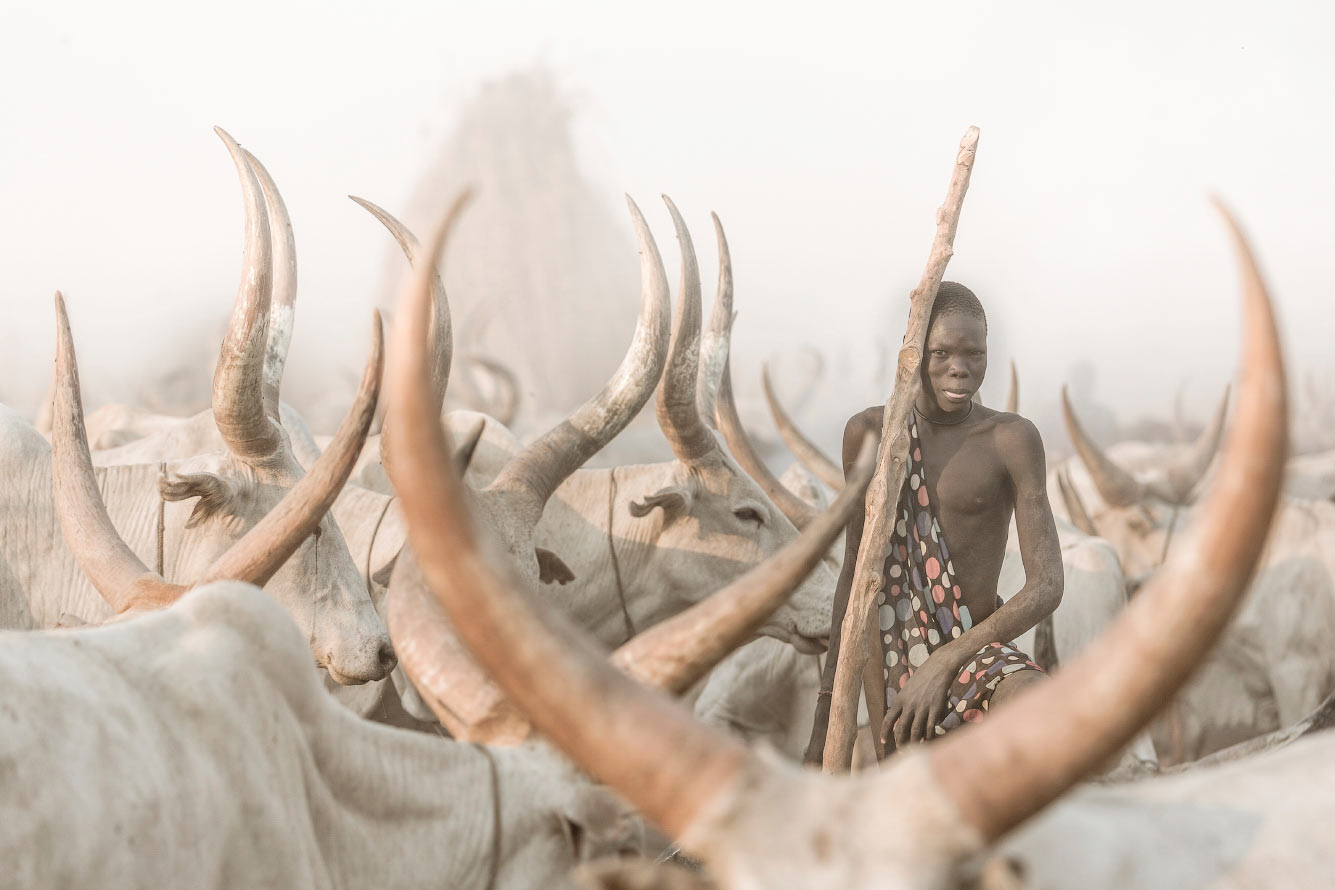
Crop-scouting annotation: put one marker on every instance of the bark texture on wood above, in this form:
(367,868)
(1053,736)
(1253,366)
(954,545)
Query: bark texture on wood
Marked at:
(883,494)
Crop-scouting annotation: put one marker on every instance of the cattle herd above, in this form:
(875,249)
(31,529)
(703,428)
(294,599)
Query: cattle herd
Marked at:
(475,663)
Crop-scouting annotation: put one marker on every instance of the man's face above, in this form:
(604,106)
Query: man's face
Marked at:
(955,363)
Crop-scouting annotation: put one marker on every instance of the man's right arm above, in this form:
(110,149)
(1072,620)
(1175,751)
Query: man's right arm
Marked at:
(855,432)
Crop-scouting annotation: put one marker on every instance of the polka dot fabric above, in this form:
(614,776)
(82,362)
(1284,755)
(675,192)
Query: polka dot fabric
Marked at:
(922,608)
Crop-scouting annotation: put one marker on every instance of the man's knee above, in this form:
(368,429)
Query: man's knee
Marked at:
(1012,685)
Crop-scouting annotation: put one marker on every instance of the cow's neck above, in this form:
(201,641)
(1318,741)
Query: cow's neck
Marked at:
(405,809)
(593,507)
(373,526)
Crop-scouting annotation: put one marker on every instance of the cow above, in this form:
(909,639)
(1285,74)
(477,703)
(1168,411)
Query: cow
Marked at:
(193,746)
(208,516)
(1275,663)
(756,822)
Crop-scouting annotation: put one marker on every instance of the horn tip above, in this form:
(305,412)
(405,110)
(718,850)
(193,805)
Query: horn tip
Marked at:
(227,139)
(672,208)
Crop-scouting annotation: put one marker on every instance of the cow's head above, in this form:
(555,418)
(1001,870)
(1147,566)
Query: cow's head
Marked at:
(250,513)
(1137,513)
(696,524)
(756,822)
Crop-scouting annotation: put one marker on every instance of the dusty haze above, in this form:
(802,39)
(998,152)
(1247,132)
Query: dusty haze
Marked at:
(823,140)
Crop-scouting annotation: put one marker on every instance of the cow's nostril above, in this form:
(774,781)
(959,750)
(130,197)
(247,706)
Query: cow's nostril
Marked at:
(388,660)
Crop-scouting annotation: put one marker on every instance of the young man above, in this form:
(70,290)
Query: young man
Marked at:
(946,651)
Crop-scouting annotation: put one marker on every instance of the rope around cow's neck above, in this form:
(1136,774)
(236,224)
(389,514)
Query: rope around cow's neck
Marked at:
(612,550)
(162,516)
(493,775)
(370,550)
(1168,539)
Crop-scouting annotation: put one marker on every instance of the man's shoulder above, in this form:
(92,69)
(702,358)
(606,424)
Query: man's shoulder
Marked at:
(1017,439)
(866,420)
(857,428)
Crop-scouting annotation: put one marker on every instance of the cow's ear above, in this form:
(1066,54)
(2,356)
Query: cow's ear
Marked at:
(552,569)
(382,575)
(217,496)
(620,874)
(675,501)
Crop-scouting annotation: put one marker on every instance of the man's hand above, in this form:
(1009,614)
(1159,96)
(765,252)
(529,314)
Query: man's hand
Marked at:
(921,704)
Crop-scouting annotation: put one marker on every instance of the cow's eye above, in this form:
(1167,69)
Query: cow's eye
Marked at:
(749,514)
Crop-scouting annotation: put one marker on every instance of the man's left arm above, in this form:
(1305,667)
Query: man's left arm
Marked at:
(1021,449)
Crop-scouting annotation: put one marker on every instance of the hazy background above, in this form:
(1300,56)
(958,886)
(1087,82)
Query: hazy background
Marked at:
(823,139)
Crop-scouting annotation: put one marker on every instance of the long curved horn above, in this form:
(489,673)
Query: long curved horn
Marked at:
(122,579)
(1118,487)
(263,550)
(545,463)
(806,451)
(240,411)
(282,304)
(442,333)
(1013,396)
(465,701)
(718,387)
(798,511)
(641,743)
(1028,753)
(438,324)
(715,338)
(678,416)
(1075,507)
(1184,475)
(674,654)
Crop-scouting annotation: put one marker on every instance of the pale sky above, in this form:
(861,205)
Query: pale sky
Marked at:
(822,137)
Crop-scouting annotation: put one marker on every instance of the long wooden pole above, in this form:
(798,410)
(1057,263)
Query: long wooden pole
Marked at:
(892,462)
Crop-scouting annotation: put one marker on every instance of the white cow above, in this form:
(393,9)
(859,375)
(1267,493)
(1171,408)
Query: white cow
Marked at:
(190,518)
(194,747)
(1275,663)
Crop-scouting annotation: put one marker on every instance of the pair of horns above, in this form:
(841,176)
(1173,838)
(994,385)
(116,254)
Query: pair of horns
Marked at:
(117,573)
(686,776)
(1119,488)
(534,473)
(246,411)
(696,394)
(254,349)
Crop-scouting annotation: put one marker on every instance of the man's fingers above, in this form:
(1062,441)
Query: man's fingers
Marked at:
(888,724)
(934,718)
(903,728)
(920,726)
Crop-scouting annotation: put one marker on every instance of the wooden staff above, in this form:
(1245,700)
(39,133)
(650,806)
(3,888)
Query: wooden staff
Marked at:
(883,494)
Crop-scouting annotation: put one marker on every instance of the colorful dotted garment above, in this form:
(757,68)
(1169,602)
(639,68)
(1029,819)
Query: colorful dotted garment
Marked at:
(921,607)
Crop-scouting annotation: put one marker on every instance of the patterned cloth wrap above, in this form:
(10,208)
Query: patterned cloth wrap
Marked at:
(922,607)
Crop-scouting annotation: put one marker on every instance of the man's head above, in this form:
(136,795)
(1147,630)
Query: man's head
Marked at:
(956,354)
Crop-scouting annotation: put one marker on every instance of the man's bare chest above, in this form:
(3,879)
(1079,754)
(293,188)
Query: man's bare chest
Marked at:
(966,476)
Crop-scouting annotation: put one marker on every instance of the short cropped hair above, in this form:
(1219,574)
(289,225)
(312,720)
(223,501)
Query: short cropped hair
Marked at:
(955,297)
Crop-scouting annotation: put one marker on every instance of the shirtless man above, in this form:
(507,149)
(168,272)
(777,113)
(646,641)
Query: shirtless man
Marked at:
(946,651)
